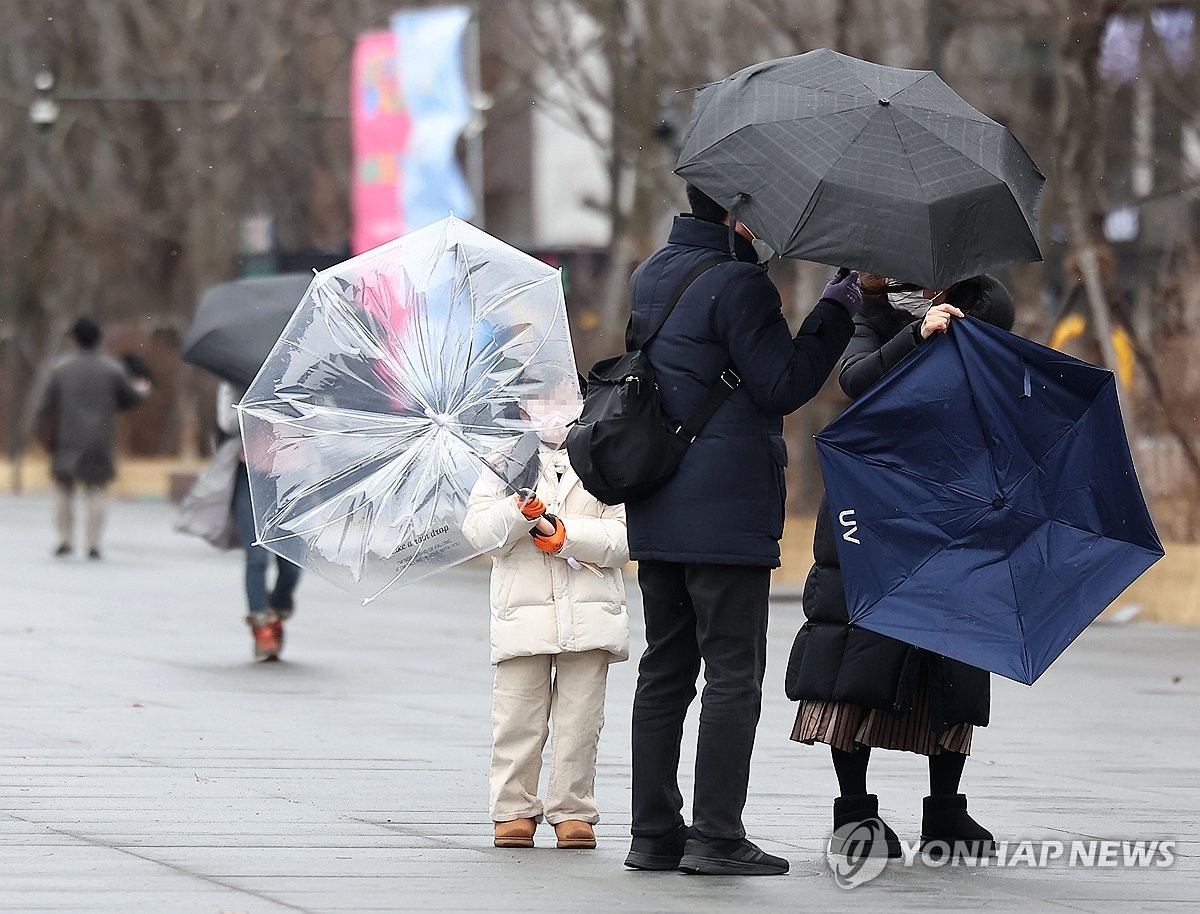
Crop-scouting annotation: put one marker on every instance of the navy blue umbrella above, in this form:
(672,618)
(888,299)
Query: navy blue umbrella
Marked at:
(985,500)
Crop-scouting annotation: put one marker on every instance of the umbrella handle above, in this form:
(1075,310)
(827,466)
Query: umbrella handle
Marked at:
(543,526)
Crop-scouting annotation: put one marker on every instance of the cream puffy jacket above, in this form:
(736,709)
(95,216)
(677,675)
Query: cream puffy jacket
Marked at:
(540,605)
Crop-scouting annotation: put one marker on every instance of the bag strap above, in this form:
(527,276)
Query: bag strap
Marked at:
(727,383)
(703,267)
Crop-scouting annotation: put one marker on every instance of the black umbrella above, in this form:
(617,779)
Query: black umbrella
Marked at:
(841,161)
(239,322)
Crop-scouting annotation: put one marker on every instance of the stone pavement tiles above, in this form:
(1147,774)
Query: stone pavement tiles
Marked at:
(147,765)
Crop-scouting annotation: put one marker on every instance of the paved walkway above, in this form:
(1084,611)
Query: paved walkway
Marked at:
(146,765)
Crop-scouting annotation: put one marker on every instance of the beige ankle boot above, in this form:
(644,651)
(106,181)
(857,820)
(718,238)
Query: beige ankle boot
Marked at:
(574,833)
(517,833)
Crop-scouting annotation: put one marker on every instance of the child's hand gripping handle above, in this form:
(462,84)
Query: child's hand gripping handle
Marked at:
(532,508)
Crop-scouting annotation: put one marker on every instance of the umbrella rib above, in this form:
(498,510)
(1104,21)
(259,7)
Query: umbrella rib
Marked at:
(381,352)
(1007,186)
(800,226)
(786,120)
(842,60)
(300,423)
(510,293)
(1020,621)
(933,555)
(995,478)
(524,365)
(1037,463)
(283,509)
(912,168)
(924,76)
(905,471)
(418,547)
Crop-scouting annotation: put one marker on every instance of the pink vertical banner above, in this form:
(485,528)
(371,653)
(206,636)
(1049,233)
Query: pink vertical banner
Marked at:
(380,130)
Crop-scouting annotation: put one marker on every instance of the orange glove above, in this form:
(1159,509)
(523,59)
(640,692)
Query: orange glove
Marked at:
(531,509)
(553,543)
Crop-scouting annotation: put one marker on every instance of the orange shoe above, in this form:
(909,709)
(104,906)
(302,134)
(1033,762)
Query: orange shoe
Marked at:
(267,632)
(574,833)
(517,833)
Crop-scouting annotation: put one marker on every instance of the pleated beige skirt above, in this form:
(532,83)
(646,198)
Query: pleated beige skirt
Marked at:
(848,726)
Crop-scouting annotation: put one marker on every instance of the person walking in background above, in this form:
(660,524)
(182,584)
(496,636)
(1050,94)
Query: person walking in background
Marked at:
(77,424)
(707,540)
(556,626)
(858,689)
(267,609)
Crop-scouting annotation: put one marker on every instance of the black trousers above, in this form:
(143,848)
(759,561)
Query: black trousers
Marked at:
(718,614)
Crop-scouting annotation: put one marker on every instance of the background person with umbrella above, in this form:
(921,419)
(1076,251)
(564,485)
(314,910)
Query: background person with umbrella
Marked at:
(266,609)
(858,689)
(231,335)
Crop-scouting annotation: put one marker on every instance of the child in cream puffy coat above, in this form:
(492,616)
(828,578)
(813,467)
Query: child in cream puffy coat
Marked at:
(556,626)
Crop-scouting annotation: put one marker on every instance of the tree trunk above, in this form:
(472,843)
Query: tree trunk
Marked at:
(1080,134)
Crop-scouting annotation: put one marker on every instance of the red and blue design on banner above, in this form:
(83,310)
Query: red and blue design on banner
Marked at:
(410,102)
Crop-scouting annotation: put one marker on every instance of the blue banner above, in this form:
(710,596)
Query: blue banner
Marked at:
(429,47)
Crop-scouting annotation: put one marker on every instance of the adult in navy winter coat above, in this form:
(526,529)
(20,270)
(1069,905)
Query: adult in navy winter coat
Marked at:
(707,541)
(859,689)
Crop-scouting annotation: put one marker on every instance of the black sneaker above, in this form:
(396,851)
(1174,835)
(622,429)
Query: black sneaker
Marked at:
(62,551)
(94,555)
(657,853)
(728,857)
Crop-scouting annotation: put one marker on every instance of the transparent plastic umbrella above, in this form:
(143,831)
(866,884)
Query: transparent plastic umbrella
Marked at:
(395,392)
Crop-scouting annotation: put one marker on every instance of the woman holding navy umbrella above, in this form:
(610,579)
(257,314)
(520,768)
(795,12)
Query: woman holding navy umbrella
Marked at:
(859,690)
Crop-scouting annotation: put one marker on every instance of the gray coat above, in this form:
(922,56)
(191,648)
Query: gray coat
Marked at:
(78,415)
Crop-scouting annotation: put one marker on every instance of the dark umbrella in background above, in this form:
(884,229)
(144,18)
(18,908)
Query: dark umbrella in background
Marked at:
(239,322)
(985,500)
(837,160)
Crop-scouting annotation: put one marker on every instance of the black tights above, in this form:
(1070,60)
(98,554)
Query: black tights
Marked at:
(945,771)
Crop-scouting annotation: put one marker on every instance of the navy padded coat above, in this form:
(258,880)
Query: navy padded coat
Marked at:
(725,505)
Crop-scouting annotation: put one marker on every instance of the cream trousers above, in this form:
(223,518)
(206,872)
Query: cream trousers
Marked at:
(95,501)
(529,693)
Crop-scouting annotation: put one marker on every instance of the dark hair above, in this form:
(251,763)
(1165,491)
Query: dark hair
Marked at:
(705,207)
(86,333)
(986,298)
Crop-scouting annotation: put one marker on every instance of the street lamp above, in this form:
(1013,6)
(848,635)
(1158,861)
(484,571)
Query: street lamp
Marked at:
(43,112)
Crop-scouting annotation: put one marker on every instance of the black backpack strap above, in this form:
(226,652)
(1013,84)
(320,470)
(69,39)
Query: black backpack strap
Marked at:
(727,383)
(703,267)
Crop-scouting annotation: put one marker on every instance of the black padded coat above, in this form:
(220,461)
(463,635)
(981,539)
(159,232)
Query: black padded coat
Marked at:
(833,660)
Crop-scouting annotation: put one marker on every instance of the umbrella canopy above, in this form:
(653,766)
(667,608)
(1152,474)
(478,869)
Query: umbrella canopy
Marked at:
(238,322)
(397,387)
(986,501)
(841,161)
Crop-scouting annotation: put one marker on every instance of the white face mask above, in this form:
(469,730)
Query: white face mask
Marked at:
(915,303)
(762,250)
(551,421)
